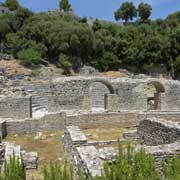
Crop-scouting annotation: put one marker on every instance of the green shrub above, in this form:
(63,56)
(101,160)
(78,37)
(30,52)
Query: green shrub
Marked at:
(13,170)
(29,57)
(171,168)
(65,63)
(131,166)
(56,171)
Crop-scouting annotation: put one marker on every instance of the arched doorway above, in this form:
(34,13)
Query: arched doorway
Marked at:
(98,90)
(153,91)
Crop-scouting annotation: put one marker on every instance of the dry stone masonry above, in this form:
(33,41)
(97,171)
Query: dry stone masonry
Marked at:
(93,102)
(87,102)
(84,154)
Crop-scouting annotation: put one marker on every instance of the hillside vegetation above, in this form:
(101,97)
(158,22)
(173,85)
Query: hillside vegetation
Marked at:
(69,42)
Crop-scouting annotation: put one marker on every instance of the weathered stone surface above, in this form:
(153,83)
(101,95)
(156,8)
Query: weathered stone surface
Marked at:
(130,135)
(11,107)
(108,154)
(158,131)
(89,157)
(76,134)
(30,160)
(87,71)
(11,149)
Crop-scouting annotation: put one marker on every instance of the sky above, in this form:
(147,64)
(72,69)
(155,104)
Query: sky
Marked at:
(103,9)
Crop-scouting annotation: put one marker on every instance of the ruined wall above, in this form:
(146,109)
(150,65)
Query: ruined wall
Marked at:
(80,154)
(153,132)
(11,107)
(171,97)
(59,103)
(97,95)
(130,95)
(50,122)
(104,120)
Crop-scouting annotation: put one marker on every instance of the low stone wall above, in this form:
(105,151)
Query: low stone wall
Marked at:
(50,122)
(11,107)
(153,132)
(83,155)
(167,115)
(104,120)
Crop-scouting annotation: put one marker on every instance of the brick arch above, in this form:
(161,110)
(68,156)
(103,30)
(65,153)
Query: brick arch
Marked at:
(106,83)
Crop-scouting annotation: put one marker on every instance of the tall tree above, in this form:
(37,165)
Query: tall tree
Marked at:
(144,12)
(127,11)
(65,5)
(12,4)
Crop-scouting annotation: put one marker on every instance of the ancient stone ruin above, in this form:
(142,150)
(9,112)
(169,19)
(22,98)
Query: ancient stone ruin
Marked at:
(74,103)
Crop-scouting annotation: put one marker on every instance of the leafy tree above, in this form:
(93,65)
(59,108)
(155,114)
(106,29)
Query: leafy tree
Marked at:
(64,63)
(29,57)
(144,12)
(96,25)
(20,15)
(127,11)
(12,4)
(65,5)
(108,61)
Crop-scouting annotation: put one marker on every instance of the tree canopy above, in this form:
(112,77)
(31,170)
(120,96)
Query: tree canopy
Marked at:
(127,11)
(144,11)
(64,5)
(70,42)
(12,4)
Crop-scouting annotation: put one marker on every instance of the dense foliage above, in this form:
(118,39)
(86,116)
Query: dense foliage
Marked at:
(70,42)
(171,168)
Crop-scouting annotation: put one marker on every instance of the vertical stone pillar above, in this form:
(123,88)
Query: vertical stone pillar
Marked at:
(111,102)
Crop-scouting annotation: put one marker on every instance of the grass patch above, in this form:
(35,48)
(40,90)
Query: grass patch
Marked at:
(104,134)
(49,149)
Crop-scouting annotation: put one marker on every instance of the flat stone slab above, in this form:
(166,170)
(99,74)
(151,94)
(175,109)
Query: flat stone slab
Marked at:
(90,158)
(108,154)
(11,149)
(76,134)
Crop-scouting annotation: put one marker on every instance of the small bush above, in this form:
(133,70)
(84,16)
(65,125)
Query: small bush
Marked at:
(29,57)
(131,166)
(171,168)
(13,170)
(56,171)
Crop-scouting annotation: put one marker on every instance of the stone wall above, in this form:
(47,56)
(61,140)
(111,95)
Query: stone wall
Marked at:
(131,95)
(11,107)
(167,115)
(80,154)
(50,122)
(104,120)
(153,132)
(59,103)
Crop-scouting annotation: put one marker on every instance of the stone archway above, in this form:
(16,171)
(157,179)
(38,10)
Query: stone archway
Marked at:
(98,90)
(155,89)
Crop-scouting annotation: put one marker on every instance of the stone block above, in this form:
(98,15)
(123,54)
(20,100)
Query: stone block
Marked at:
(30,160)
